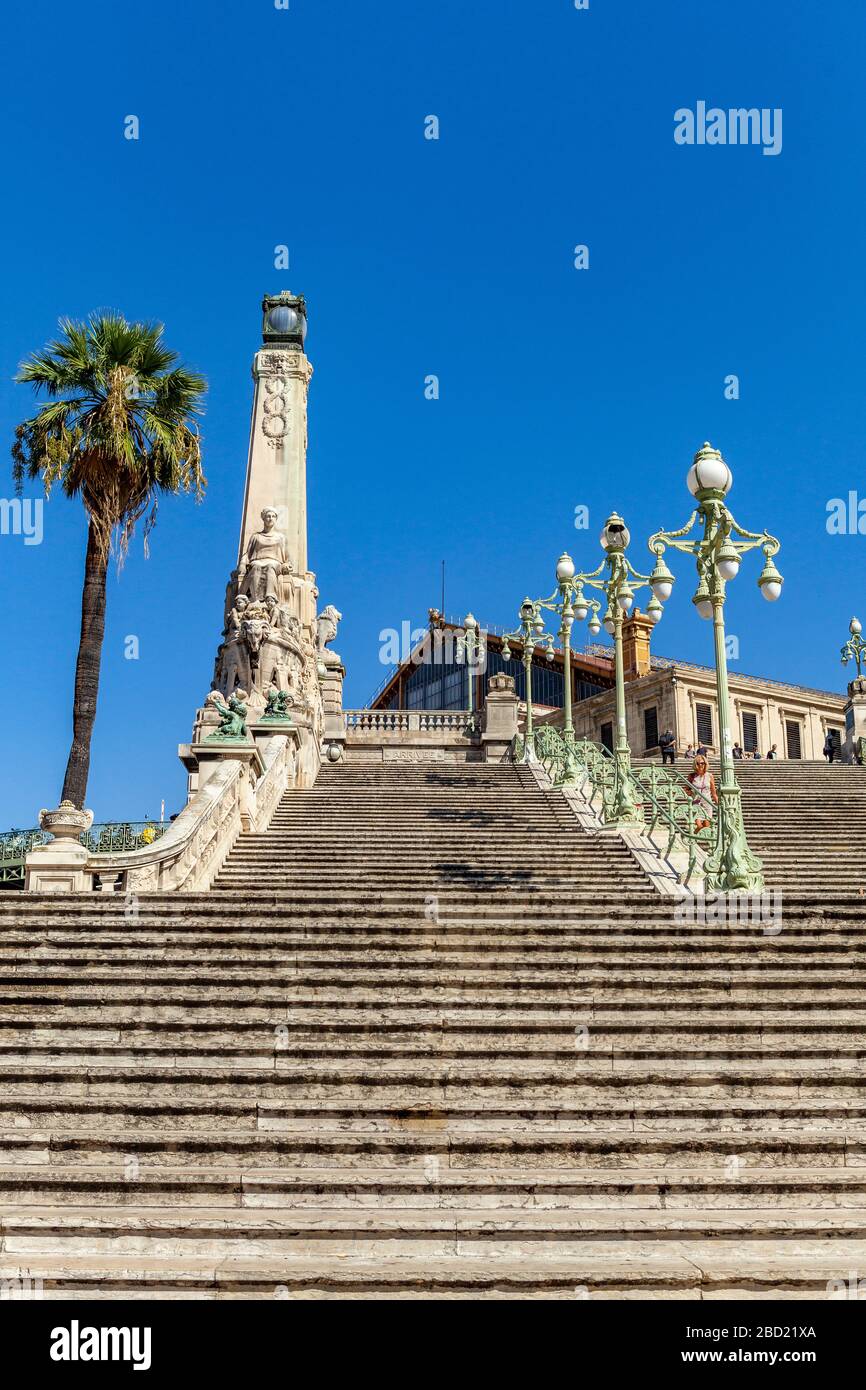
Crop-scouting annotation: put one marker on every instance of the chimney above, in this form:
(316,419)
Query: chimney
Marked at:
(636,645)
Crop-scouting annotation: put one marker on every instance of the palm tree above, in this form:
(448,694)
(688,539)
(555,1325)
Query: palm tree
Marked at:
(117,431)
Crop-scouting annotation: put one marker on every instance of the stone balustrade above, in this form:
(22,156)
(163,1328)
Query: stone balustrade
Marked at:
(412,736)
(375,721)
(240,794)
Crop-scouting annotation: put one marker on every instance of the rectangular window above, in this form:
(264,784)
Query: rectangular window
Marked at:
(455,689)
(793,742)
(650,728)
(607,736)
(750,732)
(704,721)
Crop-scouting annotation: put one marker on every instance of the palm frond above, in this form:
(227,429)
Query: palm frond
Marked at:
(119,427)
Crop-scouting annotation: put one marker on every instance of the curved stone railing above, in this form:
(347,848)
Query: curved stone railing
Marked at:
(280,760)
(191,852)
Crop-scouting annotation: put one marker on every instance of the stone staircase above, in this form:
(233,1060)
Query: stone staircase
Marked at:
(427,1038)
(808,823)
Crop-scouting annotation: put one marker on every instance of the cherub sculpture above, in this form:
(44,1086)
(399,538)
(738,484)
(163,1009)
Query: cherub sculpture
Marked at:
(232,716)
(277,704)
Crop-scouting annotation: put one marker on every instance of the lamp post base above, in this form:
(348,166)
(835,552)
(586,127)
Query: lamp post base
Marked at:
(622,808)
(732,867)
(569,774)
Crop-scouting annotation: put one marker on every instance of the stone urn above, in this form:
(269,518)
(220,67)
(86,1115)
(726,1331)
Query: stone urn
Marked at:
(66,822)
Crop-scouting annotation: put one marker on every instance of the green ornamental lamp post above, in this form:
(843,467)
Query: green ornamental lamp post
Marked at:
(718,550)
(529,632)
(473,649)
(855,646)
(619,585)
(569,602)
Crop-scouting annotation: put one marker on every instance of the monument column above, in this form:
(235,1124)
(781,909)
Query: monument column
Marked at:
(273,656)
(277,459)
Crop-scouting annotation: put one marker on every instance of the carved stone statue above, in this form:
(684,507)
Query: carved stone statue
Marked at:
(255,630)
(279,616)
(234,669)
(233,662)
(232,716)
(266,559)
(236,613)
(326,632)
(229,599)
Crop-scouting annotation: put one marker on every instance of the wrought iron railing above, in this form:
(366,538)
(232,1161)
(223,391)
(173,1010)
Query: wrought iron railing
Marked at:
(108,837)
(665,798)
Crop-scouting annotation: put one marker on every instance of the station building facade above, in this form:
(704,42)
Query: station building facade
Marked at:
(661,693)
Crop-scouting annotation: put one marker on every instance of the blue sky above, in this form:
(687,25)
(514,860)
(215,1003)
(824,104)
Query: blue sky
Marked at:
(558,387)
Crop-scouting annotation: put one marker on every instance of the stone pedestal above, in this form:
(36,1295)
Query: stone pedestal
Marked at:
(266,729)
(855,719)
(59,866)
(332,704)
(203,759)
(499,718)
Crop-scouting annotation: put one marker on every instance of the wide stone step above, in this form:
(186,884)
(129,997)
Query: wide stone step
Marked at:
(337,1032)
(176,1005)
(706,1137)
(30,1230)
(641,1271)
(439,1188)
(755,948)
(443,964)
(267,1050)
(434,1087)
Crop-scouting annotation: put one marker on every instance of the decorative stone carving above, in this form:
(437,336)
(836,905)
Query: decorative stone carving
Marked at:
(265,560)
(255,630)
(280,616)
(280,364)
(66,822)
(233,717)
(275,411)
(326,631)
(413,755)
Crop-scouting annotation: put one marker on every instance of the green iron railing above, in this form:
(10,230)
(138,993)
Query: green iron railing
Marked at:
(664,797)
(109,837)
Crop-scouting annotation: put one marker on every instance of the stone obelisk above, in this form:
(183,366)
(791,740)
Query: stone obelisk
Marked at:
(273,660)
(277,460)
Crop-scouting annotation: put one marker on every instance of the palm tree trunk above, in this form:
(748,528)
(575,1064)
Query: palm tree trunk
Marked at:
(87,669)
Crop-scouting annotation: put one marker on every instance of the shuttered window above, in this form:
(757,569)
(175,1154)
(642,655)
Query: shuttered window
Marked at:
(750,731)
(704,719)
(793,743)
(607,736)
(650,728)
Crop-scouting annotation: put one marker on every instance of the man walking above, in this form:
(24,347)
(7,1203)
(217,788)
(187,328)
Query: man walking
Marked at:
(667,743)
